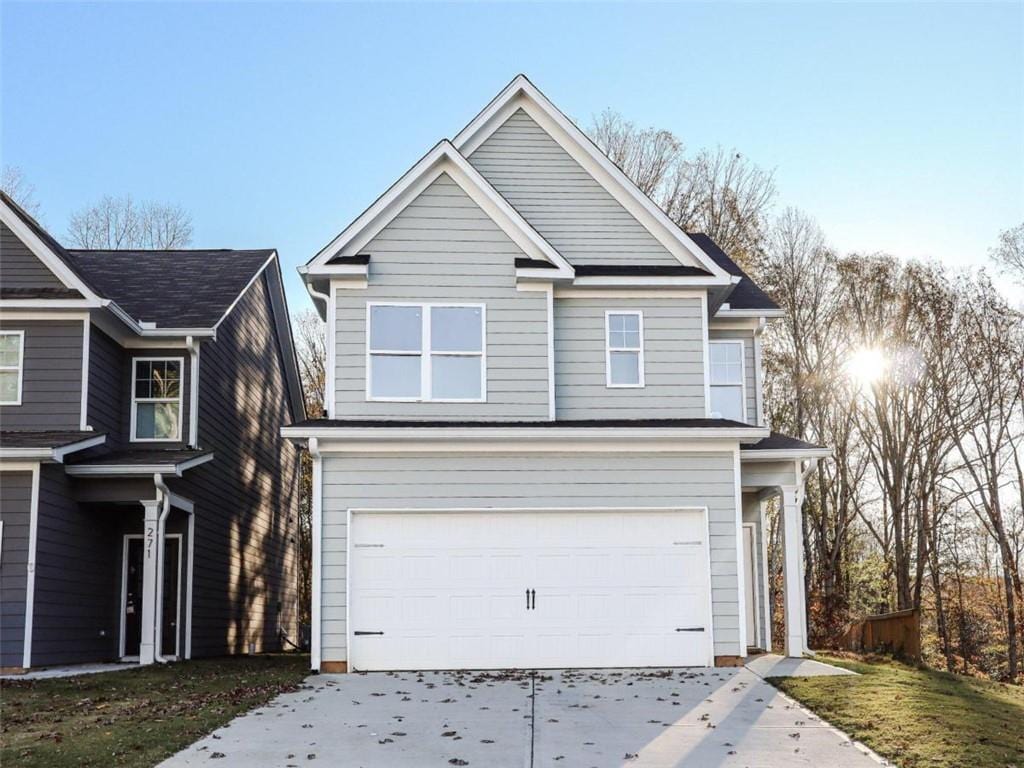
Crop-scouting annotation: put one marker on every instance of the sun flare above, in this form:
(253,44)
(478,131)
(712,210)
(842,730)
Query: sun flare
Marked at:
(867,365)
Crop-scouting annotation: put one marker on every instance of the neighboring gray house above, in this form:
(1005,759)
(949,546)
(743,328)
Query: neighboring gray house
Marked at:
(148,508)
(545,444)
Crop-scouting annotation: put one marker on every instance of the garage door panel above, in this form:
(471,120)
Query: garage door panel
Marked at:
(448,589)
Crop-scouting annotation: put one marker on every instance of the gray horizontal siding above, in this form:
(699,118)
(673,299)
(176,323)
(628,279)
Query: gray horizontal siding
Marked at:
(749,365)
(535,481)
(19,267)
(107,393)
(52,379)
(769,474)
(443,247)
(15,512)
(673,360)
(562,200)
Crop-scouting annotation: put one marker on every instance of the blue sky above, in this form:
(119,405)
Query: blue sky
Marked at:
(899,127)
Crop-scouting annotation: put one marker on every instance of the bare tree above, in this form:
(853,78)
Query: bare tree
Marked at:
(18,188)
(121,223)
(716,191)
(1009,254)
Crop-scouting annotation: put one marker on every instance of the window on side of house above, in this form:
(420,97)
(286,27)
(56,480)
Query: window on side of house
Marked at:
(727,395)
(12,366)
(426,352)
(624,349)
(156,399)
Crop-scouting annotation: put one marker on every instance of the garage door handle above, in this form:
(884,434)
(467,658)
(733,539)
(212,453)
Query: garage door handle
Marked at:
(357,632)
(689,629)
(533,596)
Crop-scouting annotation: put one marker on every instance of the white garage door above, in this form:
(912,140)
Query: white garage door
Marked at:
(472,590)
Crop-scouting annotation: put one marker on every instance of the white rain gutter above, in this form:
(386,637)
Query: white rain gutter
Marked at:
(165,511)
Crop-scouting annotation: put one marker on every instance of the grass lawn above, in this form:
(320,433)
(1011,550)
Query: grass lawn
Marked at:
(919,718)
(135,717)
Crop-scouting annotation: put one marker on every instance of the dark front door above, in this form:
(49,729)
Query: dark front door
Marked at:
(133,597)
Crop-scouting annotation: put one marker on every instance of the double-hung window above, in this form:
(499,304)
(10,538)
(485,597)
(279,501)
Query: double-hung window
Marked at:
(727,392)
(433,352)
(156,399)
(624,349)
(12,366)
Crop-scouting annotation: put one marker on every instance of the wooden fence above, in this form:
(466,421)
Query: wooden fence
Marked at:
(897,633)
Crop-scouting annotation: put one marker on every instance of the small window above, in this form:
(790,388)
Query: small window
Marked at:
(625,349)
(727,395)
(426,352)
(156,399)
(12,358)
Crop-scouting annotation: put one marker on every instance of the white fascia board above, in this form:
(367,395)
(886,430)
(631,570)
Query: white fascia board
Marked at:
(44,253)
(25,454)
(787,454)
(81,445)
(509,435)
(522,94)
(645,281)
(443,158)
(51,453)
(755,313)
(49,304)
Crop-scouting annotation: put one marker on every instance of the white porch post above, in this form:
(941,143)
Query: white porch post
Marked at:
(147,647)
(792,573)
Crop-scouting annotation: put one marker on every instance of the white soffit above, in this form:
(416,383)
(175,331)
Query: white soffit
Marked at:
(522,94)
(444,158)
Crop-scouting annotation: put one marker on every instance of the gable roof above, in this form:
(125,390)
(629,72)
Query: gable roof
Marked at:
(522,94)
(444,158)
(172,289)
(746,294)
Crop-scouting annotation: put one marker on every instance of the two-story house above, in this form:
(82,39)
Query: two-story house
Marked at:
(545,442)
(148,508)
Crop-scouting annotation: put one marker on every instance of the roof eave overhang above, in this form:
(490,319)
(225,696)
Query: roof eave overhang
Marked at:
(749,456)
(137,470)
(51,453)
(767,313)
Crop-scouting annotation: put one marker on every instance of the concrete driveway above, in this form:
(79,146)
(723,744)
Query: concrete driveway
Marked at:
(673,717)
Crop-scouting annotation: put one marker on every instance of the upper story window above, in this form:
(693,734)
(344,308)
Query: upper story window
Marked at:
(432,352)
(728,399)
(12,366)
(624,351)
(156,399)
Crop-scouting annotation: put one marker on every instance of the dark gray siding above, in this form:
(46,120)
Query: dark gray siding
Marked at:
(19,267)
(75,618)
(246,500)
(52,379)
(15,511)
(107,379)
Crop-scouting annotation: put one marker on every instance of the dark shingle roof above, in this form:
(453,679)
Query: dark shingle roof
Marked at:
(16,438)
(746,294)
(577,423)
(174,289)
(141,457)
(583,270)
(780,442)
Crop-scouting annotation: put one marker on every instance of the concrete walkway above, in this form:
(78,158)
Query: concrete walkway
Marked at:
(702,717)
(70,671)
(772,665)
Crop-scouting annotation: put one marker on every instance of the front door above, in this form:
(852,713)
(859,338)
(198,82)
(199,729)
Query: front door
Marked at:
(132,607)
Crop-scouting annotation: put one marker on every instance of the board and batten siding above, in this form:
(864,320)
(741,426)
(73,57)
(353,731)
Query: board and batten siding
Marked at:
(51,395)
(673,360)
(15,513)
(19,267)
(444,248)
(560,198)
(749,365)
(536,481)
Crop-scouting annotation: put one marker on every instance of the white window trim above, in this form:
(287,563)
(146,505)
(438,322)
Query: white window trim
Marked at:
(21,365)
(181,407)
(743,374)
(608,349)
(426,354)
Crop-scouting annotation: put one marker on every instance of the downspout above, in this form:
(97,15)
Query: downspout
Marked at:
(161,524)
(193,391)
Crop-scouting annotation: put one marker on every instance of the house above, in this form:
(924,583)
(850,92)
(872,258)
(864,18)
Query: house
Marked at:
(545,443)
(148,509)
